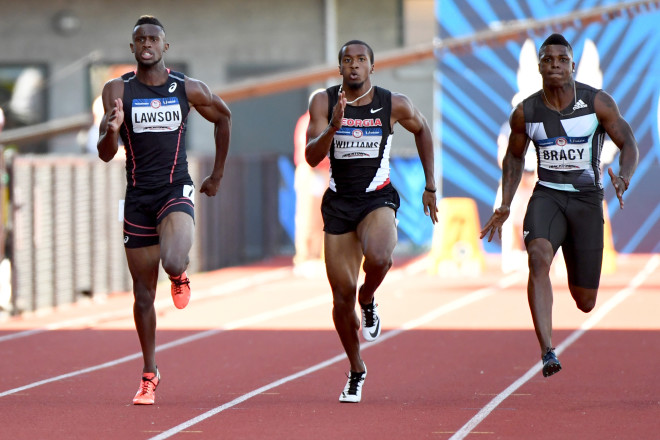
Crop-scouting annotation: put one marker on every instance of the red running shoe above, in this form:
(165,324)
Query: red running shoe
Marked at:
(180,290)
(146,394)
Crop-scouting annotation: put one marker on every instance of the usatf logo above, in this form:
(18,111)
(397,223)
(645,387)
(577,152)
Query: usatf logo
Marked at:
(357,133)
(155,103)
(561,141)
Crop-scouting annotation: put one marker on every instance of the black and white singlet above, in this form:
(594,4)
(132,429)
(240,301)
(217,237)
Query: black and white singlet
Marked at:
(568,146)
(360,150)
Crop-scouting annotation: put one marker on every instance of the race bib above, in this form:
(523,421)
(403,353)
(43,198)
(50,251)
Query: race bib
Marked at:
(358,142)
(156,115)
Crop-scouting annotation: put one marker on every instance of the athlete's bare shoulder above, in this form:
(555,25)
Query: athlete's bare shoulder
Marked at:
(402,107)
(112,90)
(197,92)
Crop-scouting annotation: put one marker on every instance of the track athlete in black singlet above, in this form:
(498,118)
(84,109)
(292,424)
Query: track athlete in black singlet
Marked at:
(148,109)
(352,123)
(566,121)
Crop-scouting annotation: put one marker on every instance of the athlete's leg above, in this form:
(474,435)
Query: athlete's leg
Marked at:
(176,232)
(343,255)
(583,268)
(539,290)
(378,236)
(143,265)
(584,251)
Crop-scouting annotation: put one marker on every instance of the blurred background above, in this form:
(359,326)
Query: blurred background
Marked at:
(464,63)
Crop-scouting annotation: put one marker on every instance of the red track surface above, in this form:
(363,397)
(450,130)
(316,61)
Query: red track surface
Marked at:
(255,356)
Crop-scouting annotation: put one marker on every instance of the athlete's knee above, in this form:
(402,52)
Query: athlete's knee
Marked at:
(343,300)
(143,303)
(585,299)
(539,259)
(587,305)
(174,266)
(378,261)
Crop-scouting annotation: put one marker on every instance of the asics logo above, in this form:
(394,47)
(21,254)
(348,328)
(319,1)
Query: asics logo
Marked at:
(125,238)
(375,110)
(172,88)
(525,233)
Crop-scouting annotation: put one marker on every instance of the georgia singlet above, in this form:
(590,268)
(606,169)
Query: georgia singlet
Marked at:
(360,150)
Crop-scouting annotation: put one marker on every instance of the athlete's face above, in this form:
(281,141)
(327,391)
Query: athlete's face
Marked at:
(556,64)
(149,44)
(355,65)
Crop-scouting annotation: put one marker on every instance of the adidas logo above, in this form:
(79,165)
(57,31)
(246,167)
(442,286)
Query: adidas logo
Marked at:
(578,105)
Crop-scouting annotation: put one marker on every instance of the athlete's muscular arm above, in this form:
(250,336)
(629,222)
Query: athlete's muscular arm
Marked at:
(512,169)
(108,142)
(321,128)
(405,113)
(621,134)
(214,110)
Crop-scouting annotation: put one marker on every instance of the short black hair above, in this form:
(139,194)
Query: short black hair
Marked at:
(556,39)
(369,49)
(148,19)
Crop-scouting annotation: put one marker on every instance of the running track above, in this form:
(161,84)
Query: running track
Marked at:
(255,356)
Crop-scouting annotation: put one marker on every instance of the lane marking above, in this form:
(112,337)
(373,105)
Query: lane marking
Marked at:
(229,287)
(162,304)
(429,317)
(265,316)
(594,319)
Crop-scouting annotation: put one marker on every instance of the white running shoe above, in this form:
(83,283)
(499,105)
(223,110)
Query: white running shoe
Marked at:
(353,390)
(370,321)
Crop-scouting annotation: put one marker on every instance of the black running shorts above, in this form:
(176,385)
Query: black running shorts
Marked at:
(343,213)
(574,221)
(145,209)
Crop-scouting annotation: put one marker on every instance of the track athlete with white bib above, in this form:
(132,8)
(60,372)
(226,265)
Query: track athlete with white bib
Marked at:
(567,122)
(148,109)
(352,124)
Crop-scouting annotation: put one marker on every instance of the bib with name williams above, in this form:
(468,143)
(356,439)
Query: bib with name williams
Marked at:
(360,150)
(568,145)
(154,132)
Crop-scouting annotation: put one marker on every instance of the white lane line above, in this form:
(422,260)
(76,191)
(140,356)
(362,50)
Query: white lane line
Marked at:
(229,287)
(425,319)
(221,290)
(617,299)
(261,317)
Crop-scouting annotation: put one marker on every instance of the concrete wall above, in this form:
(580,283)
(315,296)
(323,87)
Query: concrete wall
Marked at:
(218,41)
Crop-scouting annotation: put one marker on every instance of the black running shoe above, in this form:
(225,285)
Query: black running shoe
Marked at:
(353,390)
(551,364)
(370,321)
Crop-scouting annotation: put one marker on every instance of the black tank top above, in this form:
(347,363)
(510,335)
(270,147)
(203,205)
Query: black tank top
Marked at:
(360,150)
(568,146)
(154,132)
